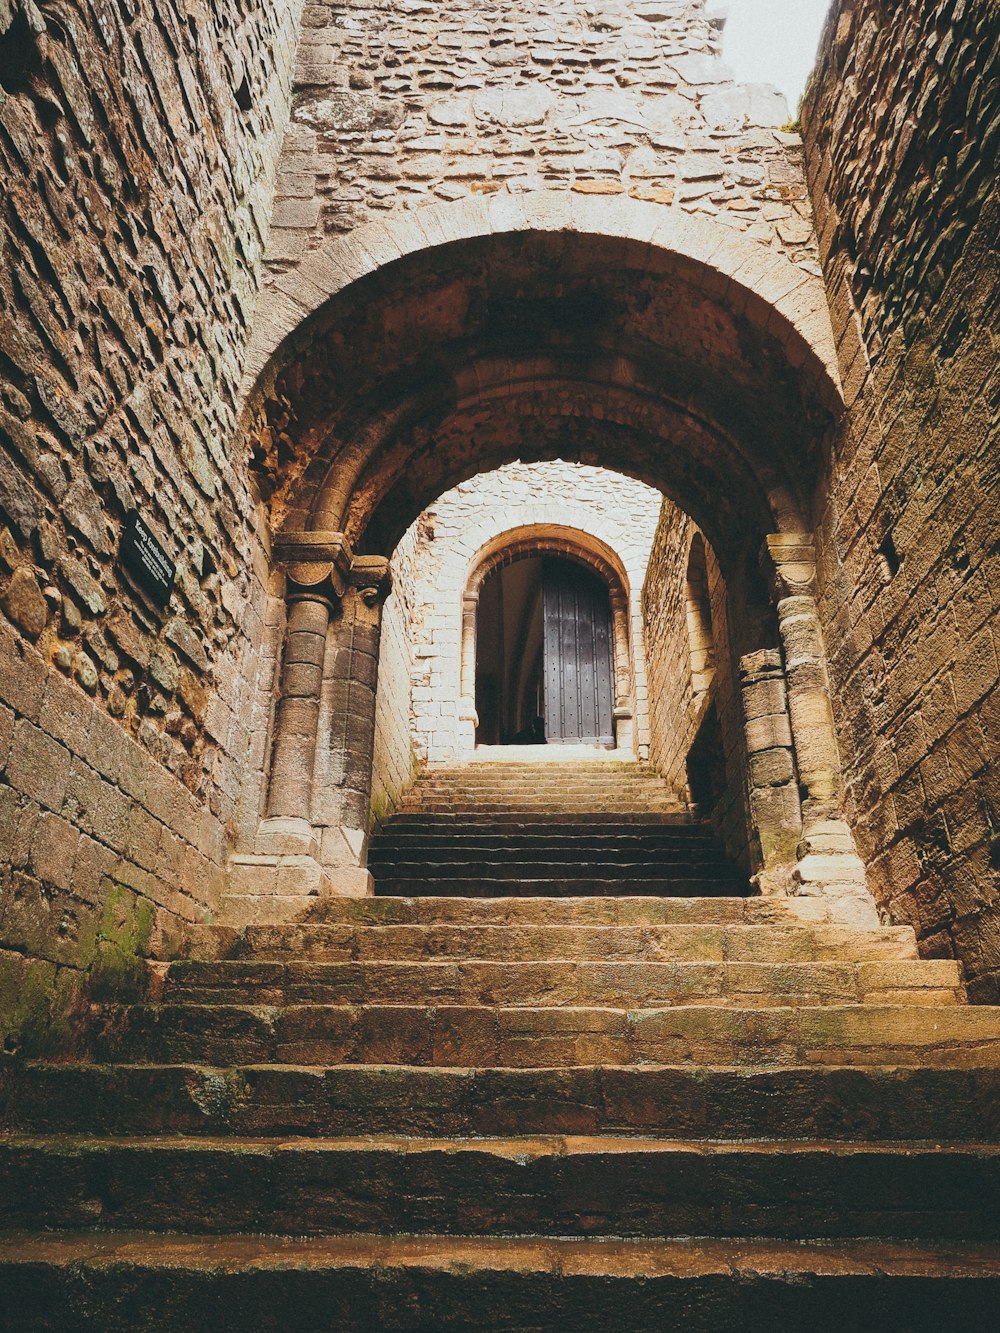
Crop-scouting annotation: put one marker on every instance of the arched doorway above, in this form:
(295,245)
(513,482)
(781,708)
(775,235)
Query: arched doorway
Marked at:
(544,655)
(547,652)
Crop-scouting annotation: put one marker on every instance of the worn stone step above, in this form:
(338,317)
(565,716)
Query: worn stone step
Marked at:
(130,1280)
(524,1036)
(721,942)
(528,820)
(571,781)
(516,864)
(648,910)
(641,838)
(604,797)
(550,805)
(571,851)
(561,911)
(527,1185)
(572,886)
(604,774)
(872,1102)
(558,983)
(220,941)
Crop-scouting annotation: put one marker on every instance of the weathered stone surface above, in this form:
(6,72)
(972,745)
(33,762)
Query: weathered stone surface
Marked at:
(137,147)
(24,604)
(908,559)
(746,105)
(460,106)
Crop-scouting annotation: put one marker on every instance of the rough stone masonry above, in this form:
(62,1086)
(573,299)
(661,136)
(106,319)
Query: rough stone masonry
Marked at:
(902,130)
(137,153)
(140,147)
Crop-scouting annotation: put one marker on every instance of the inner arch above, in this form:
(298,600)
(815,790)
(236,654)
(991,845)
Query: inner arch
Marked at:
(543,344)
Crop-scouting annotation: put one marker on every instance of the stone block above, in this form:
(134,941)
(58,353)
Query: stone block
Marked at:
(54,849)
(38,766)
(22,674)
(24,603)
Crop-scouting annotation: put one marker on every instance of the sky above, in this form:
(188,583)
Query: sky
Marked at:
(774,41)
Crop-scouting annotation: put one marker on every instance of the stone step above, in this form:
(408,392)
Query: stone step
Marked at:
(527,1185)
(770,912)
(485,886)
(603,775)
(563,983)
(132,1280)
(607,772)
(619,794)
(540,867)
(529,1036)
(549,806)
(530,820)
(220,940)
(516,868)
(722,942)
(463,847)
(871,1103)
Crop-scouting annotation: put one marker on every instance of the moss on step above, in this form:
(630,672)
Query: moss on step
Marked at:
(44,1004)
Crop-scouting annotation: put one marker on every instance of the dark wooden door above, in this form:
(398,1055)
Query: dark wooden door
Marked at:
(577,646)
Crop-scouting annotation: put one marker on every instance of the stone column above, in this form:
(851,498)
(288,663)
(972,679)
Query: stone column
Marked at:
(468,718)
(345,766)
(828,865)
(623,712)
(774,795)
(316,568)
(294,752)
(300,850)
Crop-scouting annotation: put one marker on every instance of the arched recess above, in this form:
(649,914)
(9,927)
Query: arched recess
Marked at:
(584,549)
(403,359)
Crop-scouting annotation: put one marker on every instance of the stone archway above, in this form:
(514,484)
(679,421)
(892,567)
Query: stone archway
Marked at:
(416,354)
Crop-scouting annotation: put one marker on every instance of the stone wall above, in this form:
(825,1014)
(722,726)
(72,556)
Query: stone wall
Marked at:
(137,153)
(691,679)
(404,104)
(432,565)
(902,129)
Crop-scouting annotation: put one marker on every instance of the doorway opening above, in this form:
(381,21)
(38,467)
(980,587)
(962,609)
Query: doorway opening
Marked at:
(545,655)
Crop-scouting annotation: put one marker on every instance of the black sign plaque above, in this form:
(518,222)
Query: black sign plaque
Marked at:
(146,561)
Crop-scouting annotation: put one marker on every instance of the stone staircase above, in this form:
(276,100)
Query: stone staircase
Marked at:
(533,1112)
(553,829)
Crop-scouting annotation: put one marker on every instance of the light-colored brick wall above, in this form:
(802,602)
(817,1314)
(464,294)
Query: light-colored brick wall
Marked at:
(901,131)
(437,557)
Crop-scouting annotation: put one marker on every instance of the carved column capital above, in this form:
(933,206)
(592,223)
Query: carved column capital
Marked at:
(323,565)
(788,560)
(316,564)
(371,576)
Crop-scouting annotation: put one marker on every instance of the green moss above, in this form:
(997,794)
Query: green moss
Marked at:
(379,810)
(117,969)
(779,846)
(43,1005)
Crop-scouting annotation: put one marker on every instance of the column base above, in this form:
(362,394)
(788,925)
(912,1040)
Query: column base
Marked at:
(624,724)
(829,867)
(468,721)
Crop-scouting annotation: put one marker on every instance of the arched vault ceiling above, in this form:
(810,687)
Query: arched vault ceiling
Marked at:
(538,345)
